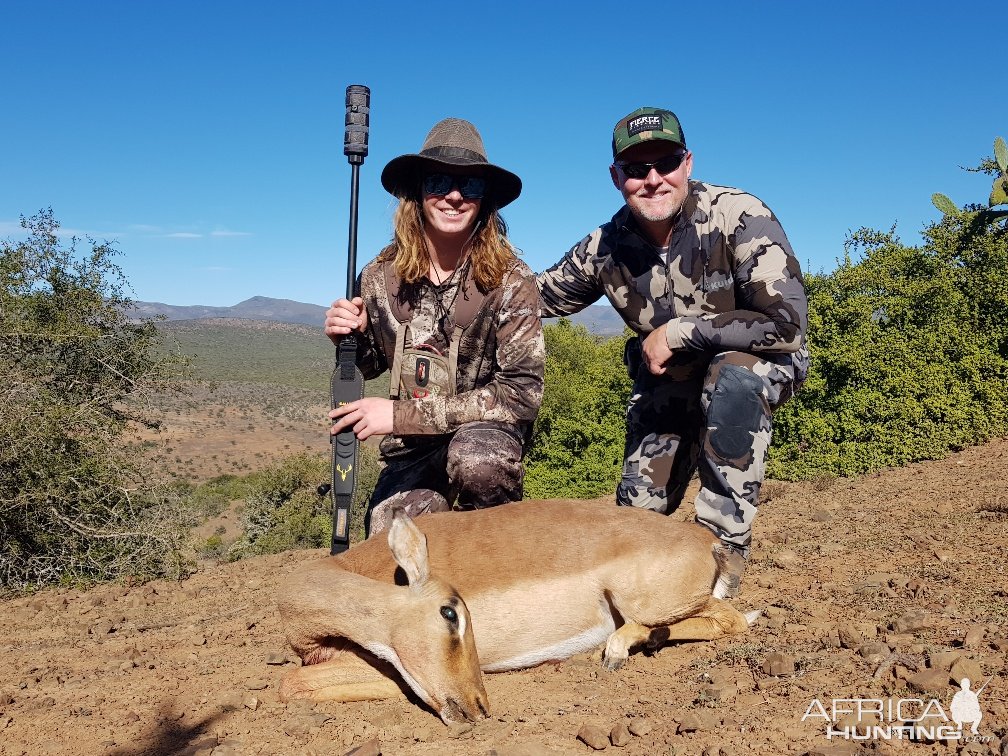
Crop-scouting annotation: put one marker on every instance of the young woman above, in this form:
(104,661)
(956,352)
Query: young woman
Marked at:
(453,313)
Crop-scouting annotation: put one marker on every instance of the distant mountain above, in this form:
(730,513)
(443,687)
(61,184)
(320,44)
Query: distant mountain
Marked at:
(599,319)
(256,308)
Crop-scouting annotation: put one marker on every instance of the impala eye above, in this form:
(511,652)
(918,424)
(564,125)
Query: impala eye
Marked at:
(449,614)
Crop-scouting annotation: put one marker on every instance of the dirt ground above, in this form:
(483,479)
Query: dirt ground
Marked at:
(885,588)
(231,429)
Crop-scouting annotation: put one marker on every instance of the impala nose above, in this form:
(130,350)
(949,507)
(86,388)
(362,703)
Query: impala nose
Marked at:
(472,710)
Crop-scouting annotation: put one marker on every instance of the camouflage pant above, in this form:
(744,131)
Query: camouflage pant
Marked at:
(479,465)
(719,424)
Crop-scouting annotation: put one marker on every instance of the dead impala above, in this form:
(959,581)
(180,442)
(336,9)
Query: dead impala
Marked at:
(497,589)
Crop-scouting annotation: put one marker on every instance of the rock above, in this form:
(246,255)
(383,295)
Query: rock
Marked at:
(276,658)
(693,721)
(928,680)
(593,736)
(250,702)
(902,641)
(719,691)
(974,749)
(521,749)
(458,730)
(785,559)
(299,727)
(203,746)
(371,748)
(853,634)
(228,747)
(256,684)
(101,629)
(640,726)
(969,669)
(620,735)
(849,635)
(999,644)
(874,649)
(974,637)
(943,659)
(944,556)
(915,619)
(779,665)
(422,734)
(319,718)
(831,638)
(231,701)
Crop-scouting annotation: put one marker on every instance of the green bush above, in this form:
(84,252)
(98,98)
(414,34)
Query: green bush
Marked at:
(577,441)
(283,509)
(908,354)
(909,350)
(74,506)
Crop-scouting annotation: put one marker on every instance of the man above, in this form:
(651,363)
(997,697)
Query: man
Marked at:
(705,277)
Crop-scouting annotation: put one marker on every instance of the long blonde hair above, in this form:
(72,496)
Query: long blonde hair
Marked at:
(491,254)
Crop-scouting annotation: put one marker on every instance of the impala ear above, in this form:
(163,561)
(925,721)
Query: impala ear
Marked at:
(409,547)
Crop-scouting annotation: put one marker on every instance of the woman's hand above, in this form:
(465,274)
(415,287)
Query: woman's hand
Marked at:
(345,316)
(371,416)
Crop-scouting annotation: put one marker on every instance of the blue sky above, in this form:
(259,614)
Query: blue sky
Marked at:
(205,138)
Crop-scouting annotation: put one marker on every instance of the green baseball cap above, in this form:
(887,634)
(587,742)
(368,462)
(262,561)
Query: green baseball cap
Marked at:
(645,124)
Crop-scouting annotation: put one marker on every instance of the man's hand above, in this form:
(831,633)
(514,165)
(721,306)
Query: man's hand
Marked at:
(345,316)
(371,416)
(656,350)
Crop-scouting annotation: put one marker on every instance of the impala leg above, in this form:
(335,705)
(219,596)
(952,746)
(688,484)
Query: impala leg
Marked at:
(716,620)
(344,677)
(617,649)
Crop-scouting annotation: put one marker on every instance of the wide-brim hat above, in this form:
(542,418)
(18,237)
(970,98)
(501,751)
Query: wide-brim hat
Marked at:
(456,143)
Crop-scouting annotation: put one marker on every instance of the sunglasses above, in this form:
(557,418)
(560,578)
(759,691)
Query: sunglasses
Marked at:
(664,166)
(470,187)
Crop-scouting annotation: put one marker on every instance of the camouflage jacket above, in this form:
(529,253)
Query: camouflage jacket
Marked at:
(727,281)
(501,355)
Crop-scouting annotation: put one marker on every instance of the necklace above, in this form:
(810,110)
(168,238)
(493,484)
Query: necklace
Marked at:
(442,311)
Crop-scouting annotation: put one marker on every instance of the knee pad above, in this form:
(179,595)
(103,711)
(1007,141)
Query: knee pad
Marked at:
(736,411)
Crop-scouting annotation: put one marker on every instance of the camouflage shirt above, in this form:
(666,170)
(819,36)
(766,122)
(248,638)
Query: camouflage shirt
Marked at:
(727,281)
(501,354)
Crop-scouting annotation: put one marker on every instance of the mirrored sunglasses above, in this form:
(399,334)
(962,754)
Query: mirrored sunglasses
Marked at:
(470,187)
(664,166)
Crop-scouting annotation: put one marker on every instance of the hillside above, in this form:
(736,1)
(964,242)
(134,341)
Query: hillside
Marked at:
(254,351)
(882,588)
(261,393)
(256,308)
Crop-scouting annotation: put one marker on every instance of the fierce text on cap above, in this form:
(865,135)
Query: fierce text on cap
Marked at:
(643,123)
